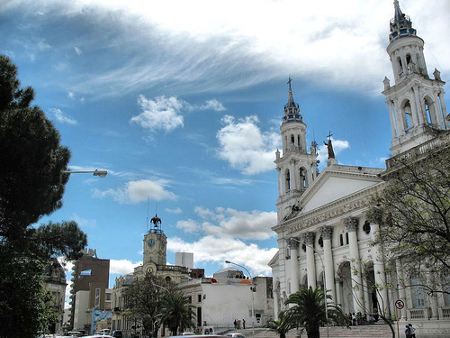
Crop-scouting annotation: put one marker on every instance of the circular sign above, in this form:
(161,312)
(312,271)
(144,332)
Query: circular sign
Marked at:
(399,304)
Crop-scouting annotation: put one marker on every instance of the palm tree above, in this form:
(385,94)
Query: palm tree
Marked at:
(280,326)
(176,312)
(308,311)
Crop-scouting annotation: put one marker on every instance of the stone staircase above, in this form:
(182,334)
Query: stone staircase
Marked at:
(361,331)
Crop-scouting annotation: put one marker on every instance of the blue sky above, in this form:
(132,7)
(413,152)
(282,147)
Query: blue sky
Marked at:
(181,101)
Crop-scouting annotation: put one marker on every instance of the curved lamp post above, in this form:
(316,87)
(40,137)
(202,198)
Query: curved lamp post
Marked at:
(251,289)
(99,173)
(324,282)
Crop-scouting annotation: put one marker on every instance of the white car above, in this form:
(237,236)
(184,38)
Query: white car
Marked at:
(235,335)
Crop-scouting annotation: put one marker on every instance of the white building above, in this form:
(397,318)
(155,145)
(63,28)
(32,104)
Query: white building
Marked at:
(323,234)
(230,296)
(185,259)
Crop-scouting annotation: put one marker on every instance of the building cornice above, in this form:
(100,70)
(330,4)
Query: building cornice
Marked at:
(338,208)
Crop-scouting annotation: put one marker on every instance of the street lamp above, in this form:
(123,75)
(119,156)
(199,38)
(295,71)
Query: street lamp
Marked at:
(324,282)
(253,297)
(99,173)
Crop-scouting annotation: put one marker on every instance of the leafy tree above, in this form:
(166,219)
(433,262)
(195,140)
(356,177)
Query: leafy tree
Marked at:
(31,185)
(413,211)
(176,312)
(307,310)
(143,301)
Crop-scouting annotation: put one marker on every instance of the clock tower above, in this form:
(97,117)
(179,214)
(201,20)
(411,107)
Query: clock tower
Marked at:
(155,246)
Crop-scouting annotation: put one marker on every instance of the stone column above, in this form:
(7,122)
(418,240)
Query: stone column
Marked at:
(275,290)
(328,261)
(380,275)
(399,116)
(443,107)
(418,114)
(338,291)
(392,118)
(293,175)
(293,246)
(310,261)
(401,288)
(280,182)
(351,224)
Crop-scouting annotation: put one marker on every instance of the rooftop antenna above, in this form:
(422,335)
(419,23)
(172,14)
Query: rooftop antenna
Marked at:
(147,224)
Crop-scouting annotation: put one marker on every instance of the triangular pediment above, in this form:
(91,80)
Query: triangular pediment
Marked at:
(336,182)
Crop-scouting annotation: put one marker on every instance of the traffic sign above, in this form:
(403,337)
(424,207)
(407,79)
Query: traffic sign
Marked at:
(399,304)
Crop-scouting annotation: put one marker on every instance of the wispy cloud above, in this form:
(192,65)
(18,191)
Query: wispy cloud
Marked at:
(62,117)
(138,191)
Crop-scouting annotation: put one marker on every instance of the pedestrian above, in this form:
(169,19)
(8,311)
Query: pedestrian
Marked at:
(235,324)
(243,323)
(407,332)
(412,331)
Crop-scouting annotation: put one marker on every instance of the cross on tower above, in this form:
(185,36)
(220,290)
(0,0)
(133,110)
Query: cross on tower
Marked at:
(289,82)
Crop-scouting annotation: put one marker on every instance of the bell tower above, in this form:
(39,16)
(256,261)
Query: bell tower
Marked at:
(416,102)
(155,246)
(297,169)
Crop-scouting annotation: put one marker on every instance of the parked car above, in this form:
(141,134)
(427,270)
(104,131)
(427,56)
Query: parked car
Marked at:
(117,334)
(235,335)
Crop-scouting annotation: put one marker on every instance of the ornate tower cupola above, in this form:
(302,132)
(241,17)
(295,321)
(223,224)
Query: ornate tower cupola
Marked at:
(296,168)
(155,244)
(416,102)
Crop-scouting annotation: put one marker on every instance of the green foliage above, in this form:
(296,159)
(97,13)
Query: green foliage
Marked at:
(413,211)
(280,326)
(307,310)
(176,312)
(31,185)
(22,299)
(143,301)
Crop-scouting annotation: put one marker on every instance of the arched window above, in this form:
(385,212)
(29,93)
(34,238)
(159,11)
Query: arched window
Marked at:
(288,180)
(407,116)
(303,179)
(429,111)
(400,66)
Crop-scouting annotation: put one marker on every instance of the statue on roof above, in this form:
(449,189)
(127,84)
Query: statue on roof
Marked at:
(329,146)
(156,221)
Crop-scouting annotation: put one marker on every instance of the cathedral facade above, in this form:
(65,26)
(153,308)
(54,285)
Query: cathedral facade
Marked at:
(324,236)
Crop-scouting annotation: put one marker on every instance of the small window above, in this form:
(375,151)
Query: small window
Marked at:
(199,298)
(97,297)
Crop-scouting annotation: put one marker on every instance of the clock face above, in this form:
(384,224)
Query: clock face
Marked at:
(151,242)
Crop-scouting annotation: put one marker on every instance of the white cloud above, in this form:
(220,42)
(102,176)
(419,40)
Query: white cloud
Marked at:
(245,146)
(165,113)
(231,223)
(60,116)
(159,114)
(78,51)
(138,191)
(188,226)
(216,250)
(122,266)
(212,105)
(174,211)
(84,222)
